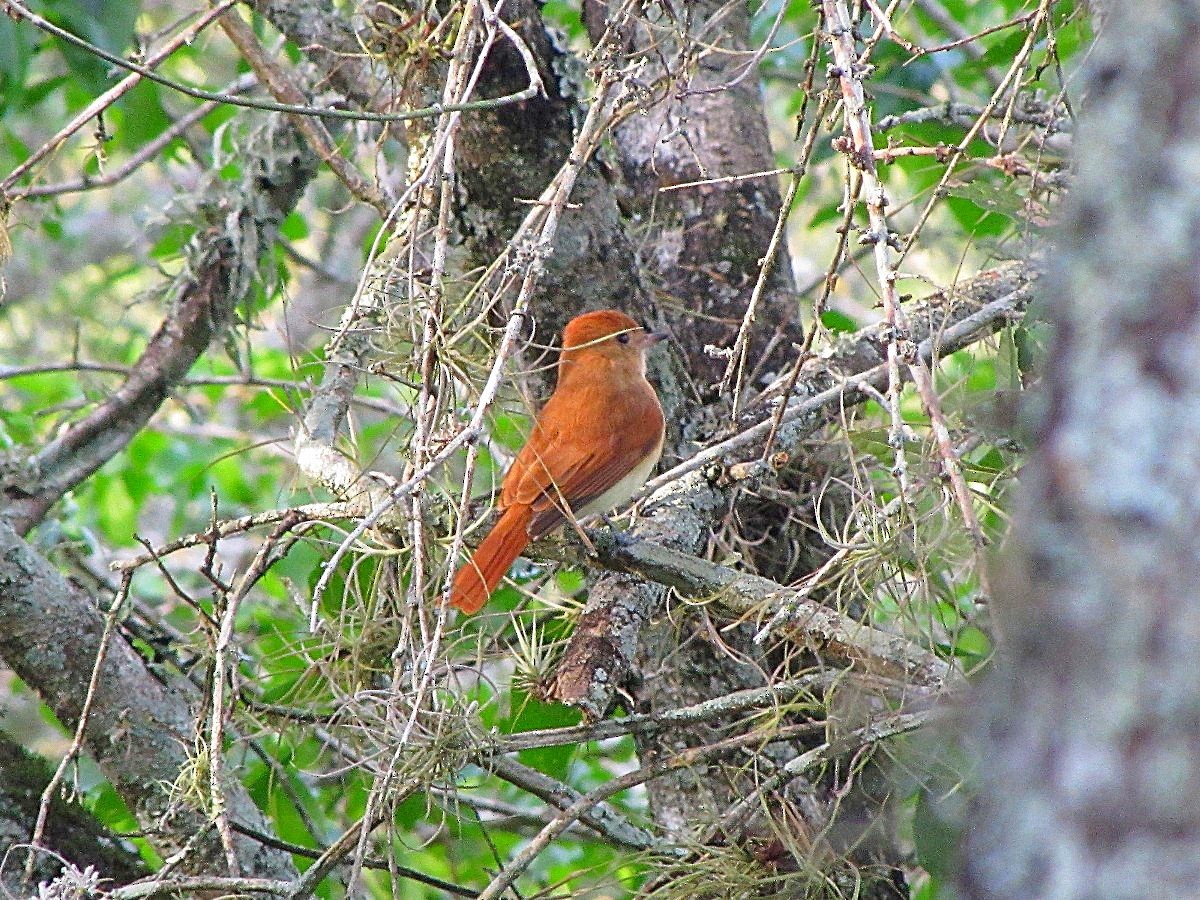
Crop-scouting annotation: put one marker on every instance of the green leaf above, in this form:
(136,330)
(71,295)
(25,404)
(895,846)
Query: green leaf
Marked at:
(566,16)
(295,226)
(106,23)
(116,512)
(991,197)
(510,431)
(975,219)
(142,117)
(827,213)
(972,643)
(935,839)
(838,322)
(15,54)
(1001,50)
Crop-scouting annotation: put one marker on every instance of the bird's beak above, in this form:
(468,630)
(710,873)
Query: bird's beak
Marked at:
(653,337)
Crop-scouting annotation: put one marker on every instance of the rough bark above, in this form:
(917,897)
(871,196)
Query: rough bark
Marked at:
(705,244)
(1089,742)
(329,40)
(140,728)
(70,832)
(604,645)
(509,155)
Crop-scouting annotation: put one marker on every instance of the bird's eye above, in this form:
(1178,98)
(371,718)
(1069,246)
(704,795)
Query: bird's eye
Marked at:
(623,338)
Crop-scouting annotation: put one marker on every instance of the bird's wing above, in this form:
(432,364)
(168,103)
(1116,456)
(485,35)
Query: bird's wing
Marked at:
(554,474)
(570,460)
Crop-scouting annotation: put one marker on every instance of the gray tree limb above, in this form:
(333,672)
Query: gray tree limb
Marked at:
(702,246)
(705,244)
(810,624)
(141,729)
(71,832)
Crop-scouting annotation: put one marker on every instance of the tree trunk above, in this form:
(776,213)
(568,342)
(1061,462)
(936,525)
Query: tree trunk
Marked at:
(1089,745)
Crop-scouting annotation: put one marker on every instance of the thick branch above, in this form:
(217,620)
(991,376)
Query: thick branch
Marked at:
(818,628)
(707,242)
(705,247)
(282,88)
(506,158)
(603,819)
(71,832)
(49,635)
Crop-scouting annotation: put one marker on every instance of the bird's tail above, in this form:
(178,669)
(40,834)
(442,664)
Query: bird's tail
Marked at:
(478,577)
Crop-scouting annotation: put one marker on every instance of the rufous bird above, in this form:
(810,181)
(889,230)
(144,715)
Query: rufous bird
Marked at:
(592,447)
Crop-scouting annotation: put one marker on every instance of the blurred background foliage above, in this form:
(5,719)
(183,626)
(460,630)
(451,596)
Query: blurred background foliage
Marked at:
(83,291)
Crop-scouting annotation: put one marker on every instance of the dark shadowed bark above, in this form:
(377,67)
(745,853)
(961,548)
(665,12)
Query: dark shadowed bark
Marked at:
(73,834)
(705,243)
(689,238)
(1089,746)
(506,159)
(702,247)
(330,41)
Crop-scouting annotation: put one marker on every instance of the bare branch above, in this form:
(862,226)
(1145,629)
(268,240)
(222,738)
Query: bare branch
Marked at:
(601,817)
(282,88)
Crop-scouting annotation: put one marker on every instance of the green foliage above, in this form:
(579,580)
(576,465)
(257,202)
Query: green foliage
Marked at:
(16,53)
(567,17)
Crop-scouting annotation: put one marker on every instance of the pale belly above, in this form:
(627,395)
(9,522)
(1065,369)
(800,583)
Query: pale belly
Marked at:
(620,492)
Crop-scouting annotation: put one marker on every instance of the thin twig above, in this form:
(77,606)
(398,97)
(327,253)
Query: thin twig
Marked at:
(861,152)
(113,94)
(963,332)
(313,512)
(682,759)
(799,766)
(544,218)
(779,694)
(988,110)
(201,885)
(534,88)
(602,818)
(144,154)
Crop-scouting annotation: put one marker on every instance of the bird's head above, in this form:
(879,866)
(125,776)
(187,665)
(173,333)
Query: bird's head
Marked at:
(610,335)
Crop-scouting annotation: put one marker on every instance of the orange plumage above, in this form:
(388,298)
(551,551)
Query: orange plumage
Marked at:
(593,445)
